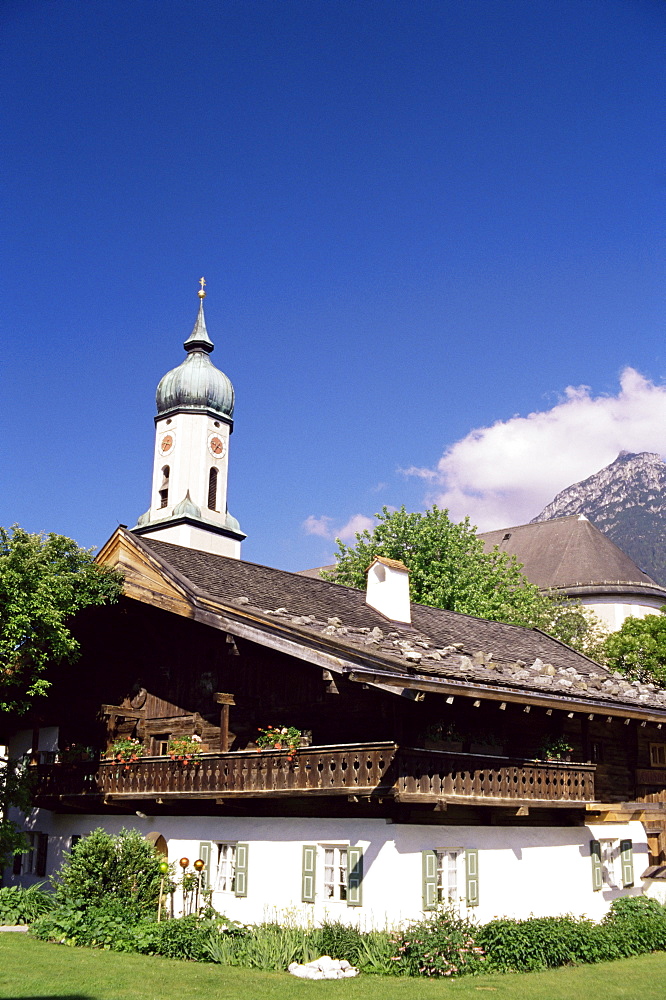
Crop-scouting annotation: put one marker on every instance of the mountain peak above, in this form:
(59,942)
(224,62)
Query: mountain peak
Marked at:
(627,501)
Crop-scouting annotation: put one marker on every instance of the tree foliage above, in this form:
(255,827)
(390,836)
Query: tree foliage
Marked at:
(44,580)
(102,866)
(15,792)
(449,568)
(638,649)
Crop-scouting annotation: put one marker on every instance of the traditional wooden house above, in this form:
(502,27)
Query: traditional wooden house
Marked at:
(445,758)
(429,774)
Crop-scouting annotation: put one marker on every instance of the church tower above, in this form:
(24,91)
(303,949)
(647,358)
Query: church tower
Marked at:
(195,406)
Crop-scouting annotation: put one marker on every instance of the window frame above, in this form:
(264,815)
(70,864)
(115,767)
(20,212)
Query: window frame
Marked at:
(229,864)
(609,856)
(658,750)
(340,873)
(457,854)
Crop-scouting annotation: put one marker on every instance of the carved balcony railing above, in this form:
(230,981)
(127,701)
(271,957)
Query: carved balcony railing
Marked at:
(651,784)
(377,770)
(435,774)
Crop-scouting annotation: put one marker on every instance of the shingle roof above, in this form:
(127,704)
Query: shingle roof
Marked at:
(440,644)
(570,553)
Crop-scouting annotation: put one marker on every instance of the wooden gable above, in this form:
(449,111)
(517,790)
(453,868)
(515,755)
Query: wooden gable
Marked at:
(145,579)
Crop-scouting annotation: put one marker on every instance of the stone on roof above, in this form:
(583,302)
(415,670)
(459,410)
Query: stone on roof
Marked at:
(443,645)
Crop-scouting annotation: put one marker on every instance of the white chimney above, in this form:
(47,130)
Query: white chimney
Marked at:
(388,589)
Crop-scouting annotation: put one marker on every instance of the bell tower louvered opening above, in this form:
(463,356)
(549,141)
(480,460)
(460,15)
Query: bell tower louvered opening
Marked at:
(212,489)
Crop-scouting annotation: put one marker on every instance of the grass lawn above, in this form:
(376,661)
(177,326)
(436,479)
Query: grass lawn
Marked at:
(35,970)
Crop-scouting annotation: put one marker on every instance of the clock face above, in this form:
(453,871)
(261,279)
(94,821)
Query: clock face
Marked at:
(216,445)
(166,444)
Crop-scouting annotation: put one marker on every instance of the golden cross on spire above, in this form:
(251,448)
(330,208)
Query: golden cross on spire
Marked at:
(201,293)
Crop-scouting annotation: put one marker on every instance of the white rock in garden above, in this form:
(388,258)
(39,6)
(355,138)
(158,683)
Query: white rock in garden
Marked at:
(323,968)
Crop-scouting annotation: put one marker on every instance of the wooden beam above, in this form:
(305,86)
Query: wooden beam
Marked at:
(429,798)
(359,675)
(123,713)
(224,701)
(275,793)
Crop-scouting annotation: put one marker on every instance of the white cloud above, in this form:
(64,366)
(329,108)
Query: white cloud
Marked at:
(420,473)
(323,526)
(359,522)
(318,526)
(505,474)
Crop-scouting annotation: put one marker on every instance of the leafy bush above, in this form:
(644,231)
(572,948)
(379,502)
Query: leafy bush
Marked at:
(339,941)
(187,937)
(103,865)
(545,943)
(637,925)
(112,923)
(22,906)
(444,944)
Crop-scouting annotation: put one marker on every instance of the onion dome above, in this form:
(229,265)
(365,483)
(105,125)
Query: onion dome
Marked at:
(187,508)
(196,384)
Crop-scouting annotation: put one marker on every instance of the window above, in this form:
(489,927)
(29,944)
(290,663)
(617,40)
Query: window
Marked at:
(212,489)
(612,864)
(164,488)
(610,850)
(225,878)
(657,754)
(450,876)
(335,873)
(160,744)
(33,861)
(225,867)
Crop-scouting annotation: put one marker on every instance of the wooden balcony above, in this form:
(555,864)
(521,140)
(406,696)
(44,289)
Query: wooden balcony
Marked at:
(373,770)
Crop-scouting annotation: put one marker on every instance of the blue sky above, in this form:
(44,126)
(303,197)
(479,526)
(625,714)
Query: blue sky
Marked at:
(423,225)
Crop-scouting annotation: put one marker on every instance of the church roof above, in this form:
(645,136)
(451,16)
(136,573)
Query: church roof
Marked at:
(334,626)
(571,555)
(196,384)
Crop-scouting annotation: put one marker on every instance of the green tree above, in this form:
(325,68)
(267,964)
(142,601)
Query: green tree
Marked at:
(104,866)
(15,792)
(449,568)
(44,580)
(638,649)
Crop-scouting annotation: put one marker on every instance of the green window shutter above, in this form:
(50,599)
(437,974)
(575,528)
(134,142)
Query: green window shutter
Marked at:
(40,857)
(627,855)
(354,876)
(429,868)
(308,873)
(595,855)
(241,870)
(205,854)
(472,877)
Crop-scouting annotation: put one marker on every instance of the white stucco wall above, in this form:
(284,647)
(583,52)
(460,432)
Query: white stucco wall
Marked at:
(189,461)
(613,611)
(522,870)
(192,537)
